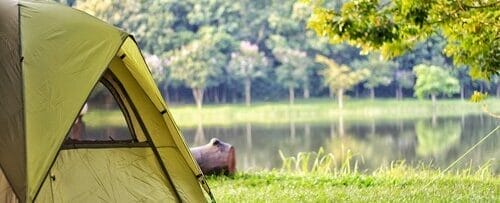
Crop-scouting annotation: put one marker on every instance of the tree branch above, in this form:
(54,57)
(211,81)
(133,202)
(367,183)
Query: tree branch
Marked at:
(493,4)
(485,109)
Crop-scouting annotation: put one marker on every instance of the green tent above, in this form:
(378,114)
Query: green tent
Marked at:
(52,57)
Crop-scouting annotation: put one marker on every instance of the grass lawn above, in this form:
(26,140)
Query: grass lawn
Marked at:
(389,186)
(323,180)
(308,111)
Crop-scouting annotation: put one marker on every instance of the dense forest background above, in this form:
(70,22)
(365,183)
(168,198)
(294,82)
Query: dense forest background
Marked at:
(219,51)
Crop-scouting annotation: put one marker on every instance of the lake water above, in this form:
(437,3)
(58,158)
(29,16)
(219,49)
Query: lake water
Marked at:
(438,141)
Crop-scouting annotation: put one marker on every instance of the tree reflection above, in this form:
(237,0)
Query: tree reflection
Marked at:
(199,137)
(307,135)
(249,135)
(435,139)
(341,126)
(292,130)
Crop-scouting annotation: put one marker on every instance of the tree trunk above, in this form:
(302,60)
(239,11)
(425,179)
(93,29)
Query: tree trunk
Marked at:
(498,89)
(215,158)
(340,97)
(291,94)
(216,95)
(164,92)
(207,94)
(306,92)
(248,91)
(401,96)
(177,97)
(397,93)
(198,96)
(462,95)
(330,92)
(356,92)
(433,97)
(233,96)
(372,93)
(224,94)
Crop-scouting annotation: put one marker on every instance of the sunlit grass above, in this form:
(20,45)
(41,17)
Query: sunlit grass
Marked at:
(309,111)
(394,185)
(319,177)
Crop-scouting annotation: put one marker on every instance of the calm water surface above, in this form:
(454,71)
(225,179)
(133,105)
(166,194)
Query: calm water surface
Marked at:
(438,141)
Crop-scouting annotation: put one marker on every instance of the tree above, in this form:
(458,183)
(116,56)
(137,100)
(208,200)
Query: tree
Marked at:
(380,72)
(197,65)
(247,64)
(404,79)
(434,80)
(462,75)
(470,27)
(292,70)
(340,78)
(496,80)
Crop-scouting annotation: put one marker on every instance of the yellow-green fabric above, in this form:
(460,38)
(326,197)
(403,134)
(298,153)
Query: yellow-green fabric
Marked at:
(52,58)
(176,164)
(182,178)
(107,175)
(12,144)
(138,68)
(63,60)
(149,114)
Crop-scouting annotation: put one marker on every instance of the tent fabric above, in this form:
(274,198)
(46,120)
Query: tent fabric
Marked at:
(156,126)
(107,175)
(52,58)
(12,145)
(73,55)
(133,56)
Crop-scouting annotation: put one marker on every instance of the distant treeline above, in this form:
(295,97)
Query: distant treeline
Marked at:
(221,51)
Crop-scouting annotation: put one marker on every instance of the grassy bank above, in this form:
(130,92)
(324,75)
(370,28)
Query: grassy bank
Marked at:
(395,185)
(309,111)
(319,177)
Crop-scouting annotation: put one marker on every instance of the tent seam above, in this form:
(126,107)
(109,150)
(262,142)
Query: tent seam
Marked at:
(23,103)
(150,140)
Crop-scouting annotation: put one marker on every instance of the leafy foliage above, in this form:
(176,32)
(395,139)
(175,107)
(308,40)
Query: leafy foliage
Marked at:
(294,64)
(471,28)
(340,76)
(478,97)
(381,72)
(248,62)
(405,79)
(164,27)
(434,80)
(197,64)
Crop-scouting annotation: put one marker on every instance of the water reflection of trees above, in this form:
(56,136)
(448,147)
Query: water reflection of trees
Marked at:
(372,146)
(434,138)
(377,142)
(199,138)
